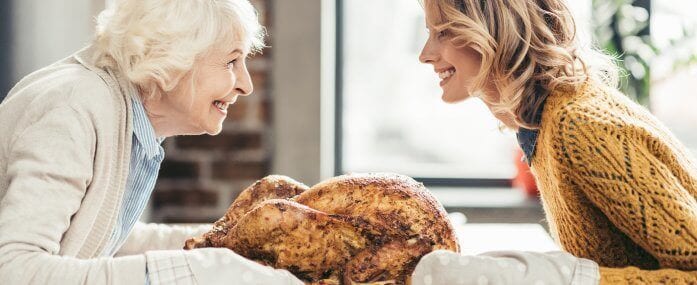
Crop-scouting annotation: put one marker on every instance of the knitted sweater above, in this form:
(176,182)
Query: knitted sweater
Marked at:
(617,187)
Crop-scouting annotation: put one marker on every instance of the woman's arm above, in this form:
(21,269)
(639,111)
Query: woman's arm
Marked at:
(49,169)
(633,275)
(639,194)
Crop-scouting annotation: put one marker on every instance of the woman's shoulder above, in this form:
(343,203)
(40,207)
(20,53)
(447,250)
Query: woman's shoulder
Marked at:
(63,84)
(67,81)
(81,96)
(595,105)
(601,116)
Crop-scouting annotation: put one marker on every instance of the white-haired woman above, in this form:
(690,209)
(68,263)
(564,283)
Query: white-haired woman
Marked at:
(80,147)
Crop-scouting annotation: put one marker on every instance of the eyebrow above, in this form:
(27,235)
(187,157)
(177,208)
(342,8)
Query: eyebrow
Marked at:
(237,50)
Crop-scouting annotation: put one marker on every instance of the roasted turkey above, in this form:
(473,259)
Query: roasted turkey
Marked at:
(360,228)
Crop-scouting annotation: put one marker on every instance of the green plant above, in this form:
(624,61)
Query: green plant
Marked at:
(621,28)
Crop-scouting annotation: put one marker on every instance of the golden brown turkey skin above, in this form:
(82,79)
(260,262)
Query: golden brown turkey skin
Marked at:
(270,187)
(310,244)
(361,228)
(393,261)
(398,203)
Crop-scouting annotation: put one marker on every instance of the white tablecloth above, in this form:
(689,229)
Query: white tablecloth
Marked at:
(479,238)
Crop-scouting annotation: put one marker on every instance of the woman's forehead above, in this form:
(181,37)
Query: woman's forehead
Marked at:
(233,46)
(238,47)
(432,13)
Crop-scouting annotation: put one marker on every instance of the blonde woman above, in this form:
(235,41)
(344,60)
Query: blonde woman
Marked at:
(80,147)
(618,189)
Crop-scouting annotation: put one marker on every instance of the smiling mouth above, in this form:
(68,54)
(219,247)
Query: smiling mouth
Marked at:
(445,75)
(221,105)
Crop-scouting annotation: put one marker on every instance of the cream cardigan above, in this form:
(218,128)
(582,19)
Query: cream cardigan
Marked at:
(65,143)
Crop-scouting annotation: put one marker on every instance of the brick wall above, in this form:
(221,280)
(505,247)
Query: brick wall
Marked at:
(202,175)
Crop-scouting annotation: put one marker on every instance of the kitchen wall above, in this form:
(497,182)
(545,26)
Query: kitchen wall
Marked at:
(47,31)
(6,76)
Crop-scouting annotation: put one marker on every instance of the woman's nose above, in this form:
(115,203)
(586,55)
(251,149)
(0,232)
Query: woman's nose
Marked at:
(244,86)
(428,53)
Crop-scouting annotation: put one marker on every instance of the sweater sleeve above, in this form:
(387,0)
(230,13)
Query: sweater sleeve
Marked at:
(639,194)
(633,275)
(49,169)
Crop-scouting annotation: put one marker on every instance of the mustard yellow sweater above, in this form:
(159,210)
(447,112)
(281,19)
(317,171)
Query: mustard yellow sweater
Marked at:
(617,187)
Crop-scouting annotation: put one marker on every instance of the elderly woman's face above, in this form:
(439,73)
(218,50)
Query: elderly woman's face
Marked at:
(220,77)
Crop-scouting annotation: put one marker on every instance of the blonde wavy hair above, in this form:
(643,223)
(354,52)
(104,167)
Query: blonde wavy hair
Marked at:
(528,49)
(154,43)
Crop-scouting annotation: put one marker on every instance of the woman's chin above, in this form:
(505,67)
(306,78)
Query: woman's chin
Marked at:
(212,125)
(202,130)
(454,98)
(214,129)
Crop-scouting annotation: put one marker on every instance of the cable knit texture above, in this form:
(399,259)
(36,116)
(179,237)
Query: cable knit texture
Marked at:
(617,187)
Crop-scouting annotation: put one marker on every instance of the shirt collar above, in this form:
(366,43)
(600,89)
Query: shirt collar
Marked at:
(527,138)
(144,131)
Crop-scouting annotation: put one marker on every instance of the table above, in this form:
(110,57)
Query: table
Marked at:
(480,238)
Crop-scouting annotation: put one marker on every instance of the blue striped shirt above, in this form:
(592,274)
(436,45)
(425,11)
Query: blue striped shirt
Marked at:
(146,157)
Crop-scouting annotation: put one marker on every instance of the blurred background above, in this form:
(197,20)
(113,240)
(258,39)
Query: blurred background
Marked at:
(340,90)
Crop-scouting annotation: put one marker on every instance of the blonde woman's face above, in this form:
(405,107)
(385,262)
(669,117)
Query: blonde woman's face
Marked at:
(220,77)
(456,67)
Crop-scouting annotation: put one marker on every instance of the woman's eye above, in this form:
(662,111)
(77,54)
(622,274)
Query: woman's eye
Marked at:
(231,63)
(441,34)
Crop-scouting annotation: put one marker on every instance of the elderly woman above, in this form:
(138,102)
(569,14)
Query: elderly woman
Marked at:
(80,147)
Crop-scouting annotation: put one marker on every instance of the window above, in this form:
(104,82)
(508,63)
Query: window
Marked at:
(391,117)
(673,72)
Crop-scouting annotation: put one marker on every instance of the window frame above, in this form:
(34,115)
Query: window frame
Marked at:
(339,115)
(339,120)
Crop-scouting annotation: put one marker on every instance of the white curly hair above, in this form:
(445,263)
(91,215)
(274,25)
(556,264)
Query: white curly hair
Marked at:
(154,43)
